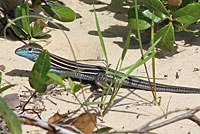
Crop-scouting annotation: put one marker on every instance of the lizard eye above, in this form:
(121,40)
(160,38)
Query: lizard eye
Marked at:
(30,49)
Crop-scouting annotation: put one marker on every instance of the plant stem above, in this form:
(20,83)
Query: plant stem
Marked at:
(140,44)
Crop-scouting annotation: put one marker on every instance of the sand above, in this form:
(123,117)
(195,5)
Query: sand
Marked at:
(131,109)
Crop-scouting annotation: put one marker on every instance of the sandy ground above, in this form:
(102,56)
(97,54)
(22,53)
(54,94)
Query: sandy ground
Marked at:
(130,109)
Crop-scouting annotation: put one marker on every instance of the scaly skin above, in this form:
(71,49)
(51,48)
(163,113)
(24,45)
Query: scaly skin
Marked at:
(96,74)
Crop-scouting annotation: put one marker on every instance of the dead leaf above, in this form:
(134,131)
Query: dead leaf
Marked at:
(41,23)
(12,100)
(84,122)
(2,67)
(57,118)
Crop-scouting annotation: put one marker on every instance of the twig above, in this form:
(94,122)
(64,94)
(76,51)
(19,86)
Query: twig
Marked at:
(44,125)
(47,98)
(147,128)
(144,129)
(23,107)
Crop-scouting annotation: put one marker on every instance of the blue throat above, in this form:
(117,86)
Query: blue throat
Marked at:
(32,57)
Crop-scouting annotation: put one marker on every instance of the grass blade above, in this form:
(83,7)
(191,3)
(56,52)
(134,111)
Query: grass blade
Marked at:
(133,67)
(100,36)
(94,103)
(146,54)
(0,78)
(126,46)
(6,87)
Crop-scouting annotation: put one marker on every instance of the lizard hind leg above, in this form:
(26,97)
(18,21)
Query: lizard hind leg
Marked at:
(100,82)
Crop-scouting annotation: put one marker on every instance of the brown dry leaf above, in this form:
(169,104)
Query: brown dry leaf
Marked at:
(2,67)
(84,122)
(41,23)
(12,100)
(57,118)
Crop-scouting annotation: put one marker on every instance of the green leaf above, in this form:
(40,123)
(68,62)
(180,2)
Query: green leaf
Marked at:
(151,16)
(23,10)
(185,2)
(6,87)
(61,13)
(62,76)
(19,32)
(144,22)
(167,37)
(36,30)
(189,14)
(45,20)
(74,87)
(44,33)
(68,74)
(10,117)
(38,75)
(103,130)
(56,78)
(36,81)
(42,65)
(36,2)
(157,7)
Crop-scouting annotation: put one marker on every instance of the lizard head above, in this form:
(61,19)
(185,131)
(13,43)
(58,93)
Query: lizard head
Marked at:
(30,51)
